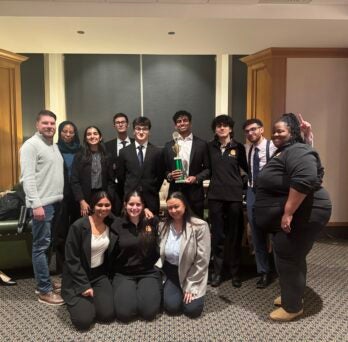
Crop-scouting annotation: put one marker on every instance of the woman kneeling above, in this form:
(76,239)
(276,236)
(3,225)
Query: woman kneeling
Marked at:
(184,258)
(136,284)
(86,287)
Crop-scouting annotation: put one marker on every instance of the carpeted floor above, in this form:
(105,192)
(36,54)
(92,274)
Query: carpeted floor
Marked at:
(230,314)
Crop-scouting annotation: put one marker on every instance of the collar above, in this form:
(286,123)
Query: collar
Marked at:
(127,140)
(40,136)
(188,138)
(137,144)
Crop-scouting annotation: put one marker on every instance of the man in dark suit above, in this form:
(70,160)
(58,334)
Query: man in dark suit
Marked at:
(113,147)
(194,155)
(141,166)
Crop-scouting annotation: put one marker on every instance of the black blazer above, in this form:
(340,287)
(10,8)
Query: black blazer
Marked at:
(199,167)
(81,177)
(77,266)
(149,177)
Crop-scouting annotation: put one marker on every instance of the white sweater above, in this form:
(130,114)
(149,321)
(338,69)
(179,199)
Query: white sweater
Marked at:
(42,172)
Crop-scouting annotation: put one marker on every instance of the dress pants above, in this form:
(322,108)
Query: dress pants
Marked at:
(173,295)
(137,295)
(227,226)
(259,237)
(290,252)
(99,307)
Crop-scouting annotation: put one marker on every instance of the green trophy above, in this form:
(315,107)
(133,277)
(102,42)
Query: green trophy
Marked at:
(178,161)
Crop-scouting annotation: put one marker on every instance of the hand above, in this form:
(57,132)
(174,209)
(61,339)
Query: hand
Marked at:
(88,293)
(306,128)
(84,208)
(176,174)
(188,297)
(191,180)
(148,213)
(39,213)
(286,223)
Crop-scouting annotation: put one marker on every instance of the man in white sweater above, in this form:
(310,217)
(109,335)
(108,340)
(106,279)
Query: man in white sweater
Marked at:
(43,181)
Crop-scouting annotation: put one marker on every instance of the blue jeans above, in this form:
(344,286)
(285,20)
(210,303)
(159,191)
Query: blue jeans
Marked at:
(259,237)
(42,238)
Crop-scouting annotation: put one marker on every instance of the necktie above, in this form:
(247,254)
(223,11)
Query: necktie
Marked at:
(256,165)
(124,143)
(140,155)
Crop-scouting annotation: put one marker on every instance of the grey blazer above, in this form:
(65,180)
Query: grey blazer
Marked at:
(194,256)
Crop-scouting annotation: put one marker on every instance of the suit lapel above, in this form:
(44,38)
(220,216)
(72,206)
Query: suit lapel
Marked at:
(193,150)
(185,239)
(86,244)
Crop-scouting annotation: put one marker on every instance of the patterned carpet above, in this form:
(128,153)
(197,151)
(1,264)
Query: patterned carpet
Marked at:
(230,314)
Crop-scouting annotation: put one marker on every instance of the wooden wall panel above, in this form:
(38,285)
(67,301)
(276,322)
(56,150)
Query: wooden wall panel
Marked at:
(10,118)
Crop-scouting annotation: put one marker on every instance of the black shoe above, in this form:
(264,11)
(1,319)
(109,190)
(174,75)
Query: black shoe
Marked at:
(216,281)
(236,281)
(264,281)
(6,281)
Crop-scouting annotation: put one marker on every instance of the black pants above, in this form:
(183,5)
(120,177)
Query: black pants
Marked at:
(137,295)
(69,212)
(99,307)
(290,251)
(173,296)
(227,232)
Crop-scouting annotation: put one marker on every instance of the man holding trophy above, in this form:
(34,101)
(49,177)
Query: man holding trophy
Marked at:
(187,162)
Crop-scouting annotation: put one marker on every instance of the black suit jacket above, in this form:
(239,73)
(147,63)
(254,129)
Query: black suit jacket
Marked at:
(199,167)
(77,266)
(81,178)
(111,149)
(148,177)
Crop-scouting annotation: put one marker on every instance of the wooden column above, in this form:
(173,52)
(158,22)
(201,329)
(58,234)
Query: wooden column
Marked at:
(266,86)
(10,118)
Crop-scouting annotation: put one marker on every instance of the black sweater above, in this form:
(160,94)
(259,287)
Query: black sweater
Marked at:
(132,255)
(226,183)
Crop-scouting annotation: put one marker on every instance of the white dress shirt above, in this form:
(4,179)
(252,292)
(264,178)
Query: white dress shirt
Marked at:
(172,247)
(120,145)
(144,148)
(185,151)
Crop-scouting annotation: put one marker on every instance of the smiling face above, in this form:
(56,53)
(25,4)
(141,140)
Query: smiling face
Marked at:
(281,134)
(103,208)
(253,132)
(134,207)
(176,209)
(183,125)
(141,134)
(46,125)
(223,131)
(92,136)
(68,133)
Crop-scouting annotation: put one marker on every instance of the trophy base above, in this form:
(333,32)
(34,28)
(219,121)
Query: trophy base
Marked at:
(180,181)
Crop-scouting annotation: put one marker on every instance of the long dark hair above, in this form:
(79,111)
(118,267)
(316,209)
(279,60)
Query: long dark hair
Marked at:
(188,214)
(74,145)
(147,228)
(290,119)
(86,151)
(96,197)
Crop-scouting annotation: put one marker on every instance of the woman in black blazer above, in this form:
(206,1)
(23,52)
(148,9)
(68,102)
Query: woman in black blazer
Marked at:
(91,170)
(86,287)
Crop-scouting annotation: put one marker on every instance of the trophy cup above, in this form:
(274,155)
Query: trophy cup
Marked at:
(178,161)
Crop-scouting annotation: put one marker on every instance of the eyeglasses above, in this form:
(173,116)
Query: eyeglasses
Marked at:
(141,129)
(120,123)
(251,130)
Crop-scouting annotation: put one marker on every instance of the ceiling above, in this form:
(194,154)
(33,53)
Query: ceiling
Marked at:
(142,26)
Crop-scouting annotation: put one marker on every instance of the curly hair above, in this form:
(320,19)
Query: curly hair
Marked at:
(290,119)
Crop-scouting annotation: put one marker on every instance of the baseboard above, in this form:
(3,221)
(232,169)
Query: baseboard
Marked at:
(333,230)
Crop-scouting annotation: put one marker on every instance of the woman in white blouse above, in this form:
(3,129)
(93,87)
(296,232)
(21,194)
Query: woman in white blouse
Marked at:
(184,258)
(86,287)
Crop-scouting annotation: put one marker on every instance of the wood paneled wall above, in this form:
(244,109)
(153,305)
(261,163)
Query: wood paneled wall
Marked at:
(10,118)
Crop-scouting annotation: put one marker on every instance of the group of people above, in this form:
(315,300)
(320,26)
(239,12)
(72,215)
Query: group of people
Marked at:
(118,260)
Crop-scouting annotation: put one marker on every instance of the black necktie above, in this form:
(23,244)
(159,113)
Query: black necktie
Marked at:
(256,165)
(140,155)
(124,143)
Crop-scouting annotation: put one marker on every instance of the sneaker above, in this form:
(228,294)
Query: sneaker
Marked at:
(50,298)
(56,284)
